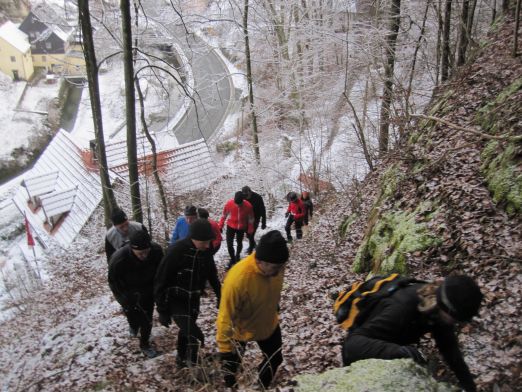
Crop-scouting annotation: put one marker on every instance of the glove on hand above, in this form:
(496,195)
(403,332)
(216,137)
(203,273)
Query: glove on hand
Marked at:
(413,353)
(164,319)
(287,214)
(263,226)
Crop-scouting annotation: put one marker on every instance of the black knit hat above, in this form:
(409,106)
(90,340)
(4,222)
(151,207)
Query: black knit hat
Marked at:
(201,230)
(190,211)
(459,296)
(272,248)
(118,216)
(239,197)
(139,240)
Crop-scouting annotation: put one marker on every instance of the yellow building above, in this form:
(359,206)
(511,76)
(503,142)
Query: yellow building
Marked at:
(15,52)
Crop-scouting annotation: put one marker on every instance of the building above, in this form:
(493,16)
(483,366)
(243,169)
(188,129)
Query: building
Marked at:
(53,42)
(15,52)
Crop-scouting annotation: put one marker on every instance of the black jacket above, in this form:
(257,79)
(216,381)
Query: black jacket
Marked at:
(397,322)
(259,207)
(182,275)
(130,278)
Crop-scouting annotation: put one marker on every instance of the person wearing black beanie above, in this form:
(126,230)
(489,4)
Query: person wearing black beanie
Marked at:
(398,320)
(257,280)
(118,234)
(132,270)
(178,285)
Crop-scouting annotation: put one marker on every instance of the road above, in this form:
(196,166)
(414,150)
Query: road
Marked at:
(213,89)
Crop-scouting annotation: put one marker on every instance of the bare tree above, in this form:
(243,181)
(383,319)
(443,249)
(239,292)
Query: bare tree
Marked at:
(389,67)
(250,87)
(445,61)
(109,201)
(130,106)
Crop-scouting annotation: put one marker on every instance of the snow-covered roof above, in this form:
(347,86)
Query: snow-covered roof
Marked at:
(10,33)
(47,15)
(41,184)
(188,166)
(77,190)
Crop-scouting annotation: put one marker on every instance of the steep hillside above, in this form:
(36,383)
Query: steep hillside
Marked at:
(448,199)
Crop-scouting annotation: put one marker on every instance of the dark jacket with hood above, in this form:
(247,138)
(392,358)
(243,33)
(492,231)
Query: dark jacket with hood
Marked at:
(130,278)
(182,276)
(396,322)
(259,207)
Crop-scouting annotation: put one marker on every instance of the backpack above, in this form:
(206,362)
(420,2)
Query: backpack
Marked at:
(353,306)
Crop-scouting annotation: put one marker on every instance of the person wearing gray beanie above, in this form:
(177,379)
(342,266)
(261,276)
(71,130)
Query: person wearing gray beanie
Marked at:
(258,281)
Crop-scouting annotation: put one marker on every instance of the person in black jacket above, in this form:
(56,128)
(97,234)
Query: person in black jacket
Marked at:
(181,276)
(309,207)
(132,269)
(398,321)
(259,214)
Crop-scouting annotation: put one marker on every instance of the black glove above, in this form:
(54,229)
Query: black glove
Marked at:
(164,319)
(287,214)
(413,353)
(263,226)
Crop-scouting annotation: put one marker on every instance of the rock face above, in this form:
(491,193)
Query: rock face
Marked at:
(398,375)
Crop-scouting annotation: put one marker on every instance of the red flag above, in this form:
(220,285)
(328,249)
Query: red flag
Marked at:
(30,239)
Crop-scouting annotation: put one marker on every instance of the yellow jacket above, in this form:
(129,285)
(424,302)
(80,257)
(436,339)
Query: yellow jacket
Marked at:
(248,307)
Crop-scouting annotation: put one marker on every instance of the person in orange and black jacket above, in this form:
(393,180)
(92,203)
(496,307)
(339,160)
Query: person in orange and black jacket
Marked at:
(259,214)
(398,321)
(132,269)
(309,207)
(295,215)
(239,216)
(179,281)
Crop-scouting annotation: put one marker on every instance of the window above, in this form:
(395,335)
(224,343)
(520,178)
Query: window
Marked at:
(13,59)
(48,45)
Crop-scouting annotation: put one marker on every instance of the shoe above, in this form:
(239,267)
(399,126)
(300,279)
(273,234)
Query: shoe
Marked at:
(149,351)
(180,362)
(133,332)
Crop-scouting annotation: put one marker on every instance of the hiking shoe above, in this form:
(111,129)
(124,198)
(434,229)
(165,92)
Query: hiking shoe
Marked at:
(149,351)
(181,363)
(133,332)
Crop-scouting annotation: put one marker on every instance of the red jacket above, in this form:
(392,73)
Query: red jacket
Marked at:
(239,217)
(217,232)
(297,209)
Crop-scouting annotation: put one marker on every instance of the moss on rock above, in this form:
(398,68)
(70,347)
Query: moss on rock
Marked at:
(394,235)
(398,375)
(501,160)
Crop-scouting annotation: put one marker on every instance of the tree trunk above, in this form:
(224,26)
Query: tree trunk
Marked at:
(463,34)
(109,201)
(130,108)
(444,71)
(157,179)
(517,25)
(250,87)
(391,41)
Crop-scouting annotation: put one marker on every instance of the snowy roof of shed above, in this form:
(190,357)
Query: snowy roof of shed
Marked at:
(10,33)
(76,190)
(188,166)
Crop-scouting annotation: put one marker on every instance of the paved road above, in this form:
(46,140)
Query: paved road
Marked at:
(213,93)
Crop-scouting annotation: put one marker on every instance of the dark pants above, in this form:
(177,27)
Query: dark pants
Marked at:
(185,314)
(272,358)
(238,235)
(251,237)
(357,347)
(298,228)
(139,316)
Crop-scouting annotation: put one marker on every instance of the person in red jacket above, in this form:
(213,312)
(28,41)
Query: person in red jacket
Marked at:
(216,242)
(239,216)
(295,215)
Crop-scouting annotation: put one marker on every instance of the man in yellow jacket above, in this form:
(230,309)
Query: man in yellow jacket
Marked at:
(248,309)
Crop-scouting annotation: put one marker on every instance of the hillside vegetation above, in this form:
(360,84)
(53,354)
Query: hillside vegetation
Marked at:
(447,199)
